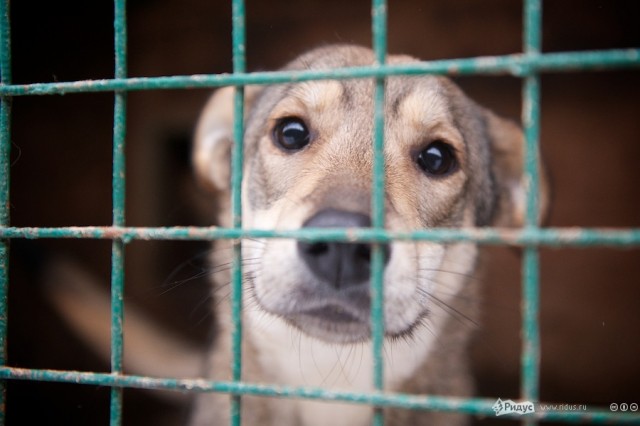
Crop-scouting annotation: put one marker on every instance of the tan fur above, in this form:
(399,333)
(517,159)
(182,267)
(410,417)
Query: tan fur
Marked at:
(427,286)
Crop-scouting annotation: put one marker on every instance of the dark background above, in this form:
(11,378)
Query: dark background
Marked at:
(61,176)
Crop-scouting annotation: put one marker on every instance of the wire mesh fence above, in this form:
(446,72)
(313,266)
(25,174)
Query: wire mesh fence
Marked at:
(528,66)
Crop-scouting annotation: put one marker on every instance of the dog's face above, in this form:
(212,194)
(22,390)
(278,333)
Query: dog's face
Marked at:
(308,163)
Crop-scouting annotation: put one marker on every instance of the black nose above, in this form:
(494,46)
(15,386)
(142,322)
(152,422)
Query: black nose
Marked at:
(340,265)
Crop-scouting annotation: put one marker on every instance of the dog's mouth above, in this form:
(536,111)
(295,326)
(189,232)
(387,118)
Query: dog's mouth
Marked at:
(341,320)
(341,323)
(332,313)
(332,321)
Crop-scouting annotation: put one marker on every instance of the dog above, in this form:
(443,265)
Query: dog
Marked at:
(308,164)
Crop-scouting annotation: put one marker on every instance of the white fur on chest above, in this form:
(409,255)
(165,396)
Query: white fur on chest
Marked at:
(294,359)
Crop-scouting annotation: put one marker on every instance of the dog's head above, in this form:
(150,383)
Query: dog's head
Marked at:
(308,163)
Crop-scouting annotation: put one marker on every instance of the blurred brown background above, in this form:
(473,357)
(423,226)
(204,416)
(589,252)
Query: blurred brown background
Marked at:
(61,176)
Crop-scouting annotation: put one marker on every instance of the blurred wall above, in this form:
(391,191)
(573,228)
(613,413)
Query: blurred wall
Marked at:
(61,176)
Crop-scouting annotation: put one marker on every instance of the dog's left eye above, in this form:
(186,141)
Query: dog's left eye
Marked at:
(437,159)
(291,134)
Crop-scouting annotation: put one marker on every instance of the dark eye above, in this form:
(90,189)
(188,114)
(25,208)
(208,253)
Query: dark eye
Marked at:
(291,134)
(437,159)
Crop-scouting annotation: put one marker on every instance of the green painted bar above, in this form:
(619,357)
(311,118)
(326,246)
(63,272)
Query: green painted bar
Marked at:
(118,196)
(531,265)
(117,320)
(532,27)
(530,355)
(5,44)
(379,31)
(472,406)
(4,311)
(531,128)
(530,358)
(516,65)
(239,66)
(5,169)
(550,237)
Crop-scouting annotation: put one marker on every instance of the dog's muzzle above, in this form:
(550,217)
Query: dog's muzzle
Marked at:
(337,302)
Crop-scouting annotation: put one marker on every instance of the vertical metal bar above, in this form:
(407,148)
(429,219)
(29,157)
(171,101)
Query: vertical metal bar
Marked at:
(239,66)
(532,27)
(530,331)
(530,363)
(118,195)
(117,318)
(5,151)
(379,30)
(531,109)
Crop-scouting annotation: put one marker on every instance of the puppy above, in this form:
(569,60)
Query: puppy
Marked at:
(308,164)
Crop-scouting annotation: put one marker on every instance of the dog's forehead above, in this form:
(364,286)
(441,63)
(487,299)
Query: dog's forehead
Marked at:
(312,97)
(416,98)
(418,101)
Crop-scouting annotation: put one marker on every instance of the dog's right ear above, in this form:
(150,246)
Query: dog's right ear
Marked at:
(214,138)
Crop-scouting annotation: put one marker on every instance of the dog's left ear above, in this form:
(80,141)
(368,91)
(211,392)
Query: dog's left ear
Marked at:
(507,151)
(213,143)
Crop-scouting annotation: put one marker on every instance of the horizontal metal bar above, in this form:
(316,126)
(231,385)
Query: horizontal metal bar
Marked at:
(517,65)
(473,406)
(552,237)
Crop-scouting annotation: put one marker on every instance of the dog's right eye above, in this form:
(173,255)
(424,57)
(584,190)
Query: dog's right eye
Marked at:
(291,134)
(437,159)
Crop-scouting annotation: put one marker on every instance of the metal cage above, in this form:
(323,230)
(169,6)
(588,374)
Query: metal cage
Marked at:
(528,65)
